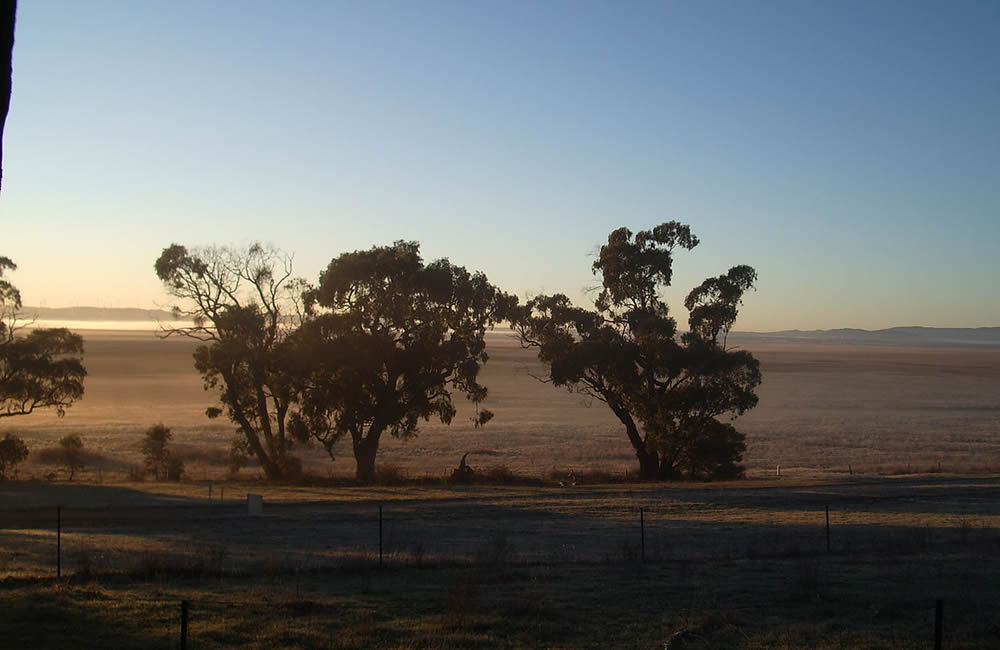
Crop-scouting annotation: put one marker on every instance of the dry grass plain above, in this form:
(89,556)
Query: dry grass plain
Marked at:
(823,409)
(731,565)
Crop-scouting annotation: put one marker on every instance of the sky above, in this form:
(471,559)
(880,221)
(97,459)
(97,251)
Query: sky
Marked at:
(849,151)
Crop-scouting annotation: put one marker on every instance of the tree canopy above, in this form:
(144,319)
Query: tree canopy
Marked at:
(243,305)
(389,339)
(40,368)
(669,391)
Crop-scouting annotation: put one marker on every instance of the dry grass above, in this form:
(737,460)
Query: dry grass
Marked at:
(739,565)
(824,411)
(518,563)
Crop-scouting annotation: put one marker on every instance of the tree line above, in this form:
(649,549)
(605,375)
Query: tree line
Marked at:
(384,341)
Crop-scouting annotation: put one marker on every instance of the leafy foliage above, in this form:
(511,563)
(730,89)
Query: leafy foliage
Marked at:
(390,339)
(667,390)
(155,454)
(243,305)
(13,452)
(73,457)
(40,369)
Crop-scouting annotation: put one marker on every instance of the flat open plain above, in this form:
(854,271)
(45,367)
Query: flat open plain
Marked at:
(823,409)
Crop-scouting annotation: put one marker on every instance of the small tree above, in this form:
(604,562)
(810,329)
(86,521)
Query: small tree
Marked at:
(13,452)
(40,369)
(390,339)
(71,447)
(156,456)
(175,468)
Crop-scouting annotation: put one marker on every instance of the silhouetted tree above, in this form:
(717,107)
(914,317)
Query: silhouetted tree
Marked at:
(72,456)
(243,305)
(389,340)
(42,368)
(8,11)
(667,390)
(155,454)
(13,452)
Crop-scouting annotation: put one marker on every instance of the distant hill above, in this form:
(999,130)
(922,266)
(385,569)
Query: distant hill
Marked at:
(912,336)
(95,314)
(985,337)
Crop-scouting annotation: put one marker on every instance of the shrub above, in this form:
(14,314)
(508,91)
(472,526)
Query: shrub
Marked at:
(175,469)
(72,459)
(156,456)
(13,451)
(238,457)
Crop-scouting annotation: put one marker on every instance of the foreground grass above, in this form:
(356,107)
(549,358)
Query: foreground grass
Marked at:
(818,601)
(740,565)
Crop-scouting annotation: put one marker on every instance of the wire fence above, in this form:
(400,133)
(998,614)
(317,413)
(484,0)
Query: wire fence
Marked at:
(244,536)
(241,539)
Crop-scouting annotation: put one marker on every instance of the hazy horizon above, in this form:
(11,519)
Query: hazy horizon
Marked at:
(75,318)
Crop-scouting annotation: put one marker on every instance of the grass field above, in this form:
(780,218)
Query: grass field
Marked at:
(734,565)
(901,444)
(823,409)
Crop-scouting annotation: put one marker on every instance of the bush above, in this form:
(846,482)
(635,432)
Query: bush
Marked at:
(156,456)
(72,459)
(13,451)
(175,469)
(238,457)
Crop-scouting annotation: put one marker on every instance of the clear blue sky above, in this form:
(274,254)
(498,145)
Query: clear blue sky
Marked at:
(848,151)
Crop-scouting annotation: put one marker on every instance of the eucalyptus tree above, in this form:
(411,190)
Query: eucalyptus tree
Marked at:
(40,368)
(390,339)
(244,307)
(671,392)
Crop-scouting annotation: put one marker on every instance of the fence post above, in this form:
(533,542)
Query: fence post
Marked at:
(642,533)
(827,528)
(58,541)
(938,623)
(380,536)
(184,624)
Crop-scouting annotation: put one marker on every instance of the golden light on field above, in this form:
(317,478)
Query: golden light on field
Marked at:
(823,409)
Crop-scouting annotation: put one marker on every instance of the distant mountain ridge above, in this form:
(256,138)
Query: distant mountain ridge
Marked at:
(912,335)
(95,314)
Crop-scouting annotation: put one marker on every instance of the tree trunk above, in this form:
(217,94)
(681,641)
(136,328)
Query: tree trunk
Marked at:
(8,9)
(365,457)
(272,470)
(649,462)
(365,450)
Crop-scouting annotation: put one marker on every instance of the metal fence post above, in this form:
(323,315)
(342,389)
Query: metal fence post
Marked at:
(828,529)
(938,623)
(642,533)
(58,541)
(184,624)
